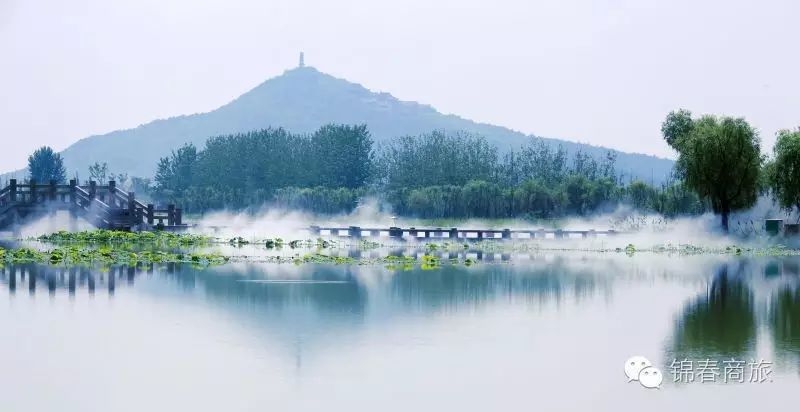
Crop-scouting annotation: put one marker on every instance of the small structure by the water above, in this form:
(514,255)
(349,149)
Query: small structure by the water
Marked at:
(775,227)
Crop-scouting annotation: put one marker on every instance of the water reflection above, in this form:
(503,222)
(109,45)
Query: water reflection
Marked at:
(453,287)
(36,276)
(719,324)
(305,303)
(325,289)
(743,297)
(785,321)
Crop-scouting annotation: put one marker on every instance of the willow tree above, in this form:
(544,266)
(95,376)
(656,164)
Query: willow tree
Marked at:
(784,173)
(719,158)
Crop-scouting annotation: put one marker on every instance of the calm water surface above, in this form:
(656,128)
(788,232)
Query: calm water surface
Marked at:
(545,332)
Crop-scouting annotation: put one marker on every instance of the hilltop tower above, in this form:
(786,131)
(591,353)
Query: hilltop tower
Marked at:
(302,61)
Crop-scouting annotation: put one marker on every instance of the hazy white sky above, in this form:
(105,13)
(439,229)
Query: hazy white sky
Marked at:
(598,71)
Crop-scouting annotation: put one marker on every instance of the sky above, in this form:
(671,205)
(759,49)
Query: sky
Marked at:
(604,72)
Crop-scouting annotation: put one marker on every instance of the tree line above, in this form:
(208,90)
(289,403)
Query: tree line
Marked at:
(436,174)
(720,167)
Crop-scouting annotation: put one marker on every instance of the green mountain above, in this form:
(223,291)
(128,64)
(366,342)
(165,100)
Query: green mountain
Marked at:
(301,100)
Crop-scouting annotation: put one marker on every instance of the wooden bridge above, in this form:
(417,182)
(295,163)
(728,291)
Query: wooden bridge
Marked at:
(107,207)
(456,233)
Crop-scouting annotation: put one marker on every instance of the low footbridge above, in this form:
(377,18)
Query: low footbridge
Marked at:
(104,206)
(456,233)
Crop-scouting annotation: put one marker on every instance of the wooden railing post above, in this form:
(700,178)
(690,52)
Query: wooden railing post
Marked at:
(150,214)
(13,184)
(33,191)
(112,191)
(170,215)
(52,190)
(73,184)
(395,232)
(132,207)
(92,189)
(178,216)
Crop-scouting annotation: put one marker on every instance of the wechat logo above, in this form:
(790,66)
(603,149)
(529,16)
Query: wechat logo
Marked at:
(639,368)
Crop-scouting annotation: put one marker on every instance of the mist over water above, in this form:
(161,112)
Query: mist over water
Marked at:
(640,229)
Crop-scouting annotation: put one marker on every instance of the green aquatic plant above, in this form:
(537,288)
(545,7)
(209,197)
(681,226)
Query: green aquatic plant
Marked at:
(403,263)
(273,243)
(630,249)
(320,258)
(431,262)
(365,244)
(76,255)
(238,241)
(102,236)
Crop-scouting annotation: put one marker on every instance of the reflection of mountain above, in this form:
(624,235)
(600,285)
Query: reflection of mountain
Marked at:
(332,290)
(328,290)
(316,308)
(721,324)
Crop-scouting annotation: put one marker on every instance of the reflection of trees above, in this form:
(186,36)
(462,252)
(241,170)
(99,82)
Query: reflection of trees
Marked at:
(720,324)
(340,290)
(785,320)
(453,286)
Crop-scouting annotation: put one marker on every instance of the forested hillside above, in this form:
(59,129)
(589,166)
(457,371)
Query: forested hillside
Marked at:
(302,100)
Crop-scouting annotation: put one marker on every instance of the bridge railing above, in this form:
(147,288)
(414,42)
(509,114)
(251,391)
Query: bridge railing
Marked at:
(106,205)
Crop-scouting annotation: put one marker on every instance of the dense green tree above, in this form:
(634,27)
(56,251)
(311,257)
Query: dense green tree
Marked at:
(44,165)
(175,173)
(538,161)
(641,195)
(784,171)
(533,199)
(318,199)
(718,157)
(341,155)
(676,199)
(678,124)
(578,190)
(436,158)
(247,170)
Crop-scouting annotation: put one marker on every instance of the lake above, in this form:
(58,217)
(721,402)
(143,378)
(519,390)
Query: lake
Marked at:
(546,331)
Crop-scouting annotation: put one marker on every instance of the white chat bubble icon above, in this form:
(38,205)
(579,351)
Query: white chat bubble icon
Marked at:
(651,377)
(634,365)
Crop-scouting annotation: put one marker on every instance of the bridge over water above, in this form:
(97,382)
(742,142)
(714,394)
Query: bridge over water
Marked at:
(455,233)
(104,206)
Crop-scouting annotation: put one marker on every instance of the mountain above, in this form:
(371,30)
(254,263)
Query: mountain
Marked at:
(301,100)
